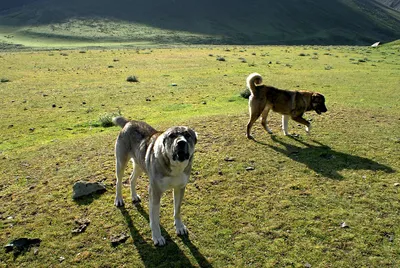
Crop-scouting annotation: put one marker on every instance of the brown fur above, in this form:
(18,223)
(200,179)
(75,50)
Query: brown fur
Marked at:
(286,102)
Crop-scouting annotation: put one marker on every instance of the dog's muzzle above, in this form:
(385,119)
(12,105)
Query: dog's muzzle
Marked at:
(181,151)
(321,109)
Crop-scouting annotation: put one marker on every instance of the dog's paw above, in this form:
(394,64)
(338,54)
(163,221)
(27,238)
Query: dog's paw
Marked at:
(180,228)
(119,202)
(250,137)
(136,199)
(308,129)
(159,241)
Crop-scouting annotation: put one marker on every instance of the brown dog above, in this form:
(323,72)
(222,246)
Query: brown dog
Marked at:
(286,102)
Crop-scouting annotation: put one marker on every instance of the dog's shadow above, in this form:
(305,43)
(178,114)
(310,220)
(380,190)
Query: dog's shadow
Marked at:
(169,255)
(323,160)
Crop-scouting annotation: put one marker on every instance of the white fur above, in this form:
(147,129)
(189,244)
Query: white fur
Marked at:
(285,123)
(250,78)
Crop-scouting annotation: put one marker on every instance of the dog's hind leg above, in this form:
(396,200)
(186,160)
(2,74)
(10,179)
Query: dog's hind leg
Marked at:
(285,123)
(255,113)
(301,120)
(137,171)
(178,197)
(121,162)
(264,121)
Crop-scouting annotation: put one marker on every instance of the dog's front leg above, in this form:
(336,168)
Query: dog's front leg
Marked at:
(301,120)
(154,211)
(178,197)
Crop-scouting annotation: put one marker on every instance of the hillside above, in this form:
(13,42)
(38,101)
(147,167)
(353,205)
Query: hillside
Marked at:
(395,4)
(351,22)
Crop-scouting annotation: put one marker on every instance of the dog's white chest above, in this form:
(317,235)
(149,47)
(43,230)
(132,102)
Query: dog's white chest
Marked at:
(177,181)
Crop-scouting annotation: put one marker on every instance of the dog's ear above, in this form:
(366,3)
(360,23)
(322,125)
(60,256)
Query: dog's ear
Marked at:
(315,97)
(193,134)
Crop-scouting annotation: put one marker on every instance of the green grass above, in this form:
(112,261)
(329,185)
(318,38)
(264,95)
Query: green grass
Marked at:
(288,211)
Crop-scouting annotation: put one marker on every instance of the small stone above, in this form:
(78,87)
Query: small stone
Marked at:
(229,159)
(396,184)
(344,225)
(83,224)
(250,168)
(116,240)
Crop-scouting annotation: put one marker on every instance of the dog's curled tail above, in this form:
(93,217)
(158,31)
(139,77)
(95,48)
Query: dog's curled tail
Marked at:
(120,121)
(250,81)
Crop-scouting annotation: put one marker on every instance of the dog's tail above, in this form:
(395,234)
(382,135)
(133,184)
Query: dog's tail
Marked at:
(251,81)
(120,121)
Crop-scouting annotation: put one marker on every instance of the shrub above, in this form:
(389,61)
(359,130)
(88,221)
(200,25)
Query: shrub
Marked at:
(245,93)
(132,78)
(106,119)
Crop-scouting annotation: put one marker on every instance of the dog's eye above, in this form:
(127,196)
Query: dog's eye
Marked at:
(173,136)
(187,135)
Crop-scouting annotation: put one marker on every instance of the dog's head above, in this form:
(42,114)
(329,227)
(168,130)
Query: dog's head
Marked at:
(179,143)
(318,103)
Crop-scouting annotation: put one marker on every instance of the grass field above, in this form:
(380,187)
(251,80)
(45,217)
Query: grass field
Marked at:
(330,199)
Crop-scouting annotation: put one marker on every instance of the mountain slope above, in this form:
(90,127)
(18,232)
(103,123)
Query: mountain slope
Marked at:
(207,21)
(395,4)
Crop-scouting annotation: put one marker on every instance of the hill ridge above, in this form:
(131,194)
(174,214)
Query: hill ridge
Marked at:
(336,22)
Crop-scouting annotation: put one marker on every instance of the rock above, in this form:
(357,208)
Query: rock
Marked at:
(250,168)
(229,159)
(83,223)
(116,240)
(83,188)
(21,245)
(344,225)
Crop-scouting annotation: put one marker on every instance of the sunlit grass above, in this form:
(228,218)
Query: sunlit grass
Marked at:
(286,210)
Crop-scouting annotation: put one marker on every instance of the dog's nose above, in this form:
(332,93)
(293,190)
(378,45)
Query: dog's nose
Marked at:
(181,144)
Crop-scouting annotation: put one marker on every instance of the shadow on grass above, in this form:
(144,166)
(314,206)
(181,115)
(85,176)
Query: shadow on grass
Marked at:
(323,160)
(88,199)
(169,255)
